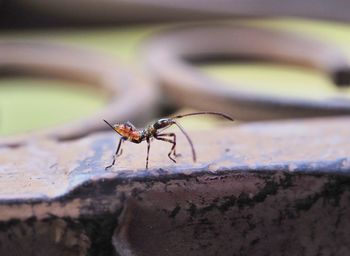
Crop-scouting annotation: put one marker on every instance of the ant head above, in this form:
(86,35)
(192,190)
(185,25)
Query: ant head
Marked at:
(163,123)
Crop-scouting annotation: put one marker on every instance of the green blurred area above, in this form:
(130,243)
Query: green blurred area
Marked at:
(288,80)
(278,80)
(27,104)
(33,103)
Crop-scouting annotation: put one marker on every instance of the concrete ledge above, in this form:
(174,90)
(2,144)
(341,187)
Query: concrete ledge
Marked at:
(258,189)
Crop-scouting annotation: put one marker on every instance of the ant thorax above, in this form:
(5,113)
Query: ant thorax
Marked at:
(150,130)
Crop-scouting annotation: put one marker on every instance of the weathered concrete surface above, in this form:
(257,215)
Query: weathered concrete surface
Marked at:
(258,189)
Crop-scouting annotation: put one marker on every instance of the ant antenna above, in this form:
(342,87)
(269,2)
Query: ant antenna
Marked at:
(188,139)
(205,113)
(110,126)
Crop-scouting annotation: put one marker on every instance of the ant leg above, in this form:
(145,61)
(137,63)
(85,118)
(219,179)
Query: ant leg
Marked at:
(173,142)
(172,150)
(117,153)
(148,148)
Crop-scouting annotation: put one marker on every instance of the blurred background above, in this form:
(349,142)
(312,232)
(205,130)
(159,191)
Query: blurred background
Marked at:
(292,63)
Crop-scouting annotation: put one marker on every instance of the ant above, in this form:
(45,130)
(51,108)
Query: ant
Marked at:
(129,132)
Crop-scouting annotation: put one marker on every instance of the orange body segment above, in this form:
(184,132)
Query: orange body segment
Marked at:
(129,133)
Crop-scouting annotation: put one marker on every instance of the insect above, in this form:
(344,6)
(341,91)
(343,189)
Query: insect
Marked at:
(129,132)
